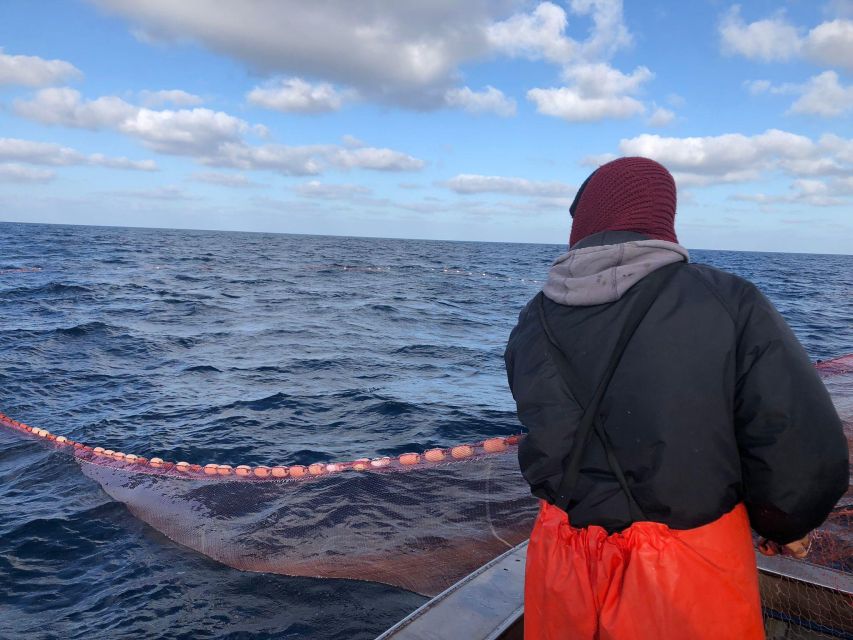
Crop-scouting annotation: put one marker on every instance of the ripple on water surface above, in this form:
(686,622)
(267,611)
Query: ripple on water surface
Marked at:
(251,348)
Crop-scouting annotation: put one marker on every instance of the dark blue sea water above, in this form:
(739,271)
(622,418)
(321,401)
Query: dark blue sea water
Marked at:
(255,348)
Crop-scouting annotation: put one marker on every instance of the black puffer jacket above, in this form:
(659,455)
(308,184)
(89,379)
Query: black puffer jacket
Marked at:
(714,402)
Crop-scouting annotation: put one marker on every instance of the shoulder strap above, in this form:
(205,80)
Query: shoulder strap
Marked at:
(589,422)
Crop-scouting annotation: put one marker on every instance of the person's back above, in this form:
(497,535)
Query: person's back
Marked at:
(713,412)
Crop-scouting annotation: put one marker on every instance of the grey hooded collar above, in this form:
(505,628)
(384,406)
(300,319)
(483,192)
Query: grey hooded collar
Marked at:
(597,274)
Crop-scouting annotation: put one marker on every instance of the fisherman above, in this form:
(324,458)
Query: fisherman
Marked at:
(669,409)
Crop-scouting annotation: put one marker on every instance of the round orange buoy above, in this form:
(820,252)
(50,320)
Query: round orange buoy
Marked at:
(361,464)
(181,466)
(379,463)
(224,470)
(409,458)
(109,452)
(462,451)
(279,472)
(513,439)
(130,457)
(61,439)
(493,445)
(315,469)
(434,455)
(156,462)
(98,450)
(262,471)
(118,455)
(333,467)
(211,469)
(243,470)
(297,471)
(43,433)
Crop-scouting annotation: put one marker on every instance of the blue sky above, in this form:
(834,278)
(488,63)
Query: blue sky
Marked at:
(444,119)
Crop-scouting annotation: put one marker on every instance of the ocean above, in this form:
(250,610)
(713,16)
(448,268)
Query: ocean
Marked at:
(246,348)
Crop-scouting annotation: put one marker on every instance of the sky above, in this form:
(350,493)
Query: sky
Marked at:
(435,119)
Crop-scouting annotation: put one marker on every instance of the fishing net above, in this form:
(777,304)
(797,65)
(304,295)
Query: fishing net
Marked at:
(813,598)
(419,521)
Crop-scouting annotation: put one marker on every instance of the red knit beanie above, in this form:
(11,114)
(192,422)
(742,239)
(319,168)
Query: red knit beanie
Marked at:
(628,194)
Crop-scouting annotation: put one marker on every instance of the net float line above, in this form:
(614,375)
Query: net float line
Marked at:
(158,466)
(836,366)
(406,461)
(20,270)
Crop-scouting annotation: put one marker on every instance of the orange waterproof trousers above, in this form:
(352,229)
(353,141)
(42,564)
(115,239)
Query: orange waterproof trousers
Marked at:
(646,582)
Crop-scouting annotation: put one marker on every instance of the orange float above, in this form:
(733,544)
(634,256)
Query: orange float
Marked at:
(434,455)
(494,445)
(409,458)
(462,451)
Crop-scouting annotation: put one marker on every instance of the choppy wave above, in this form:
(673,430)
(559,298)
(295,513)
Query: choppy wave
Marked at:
(258,347)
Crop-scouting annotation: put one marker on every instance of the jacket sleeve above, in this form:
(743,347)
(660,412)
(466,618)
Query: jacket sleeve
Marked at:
(794,458)
(545,406)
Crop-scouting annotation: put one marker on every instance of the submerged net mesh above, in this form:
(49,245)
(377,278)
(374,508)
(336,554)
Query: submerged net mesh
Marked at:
(420,521)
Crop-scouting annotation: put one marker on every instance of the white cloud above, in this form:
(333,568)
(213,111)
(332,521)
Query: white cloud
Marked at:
(405,52)
(597,91)
(594,89)
(756,87)
(609,33)
(570,104)
(374,158)
(169,193)
(824,96)
(317,189)
(600,80)
(775,39)
(189,132)
(831,43)
(540,35)
(49,154)
(283,159)
(213,138)
(32,71)
(660,117)
(64,106)
(13,172)
(309,159)
(237,180)
(177,97)
(489,101)
(470,183)
(818,168)
(766,40)
(537,35)
(816,193)
(179,132)
(294,95)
